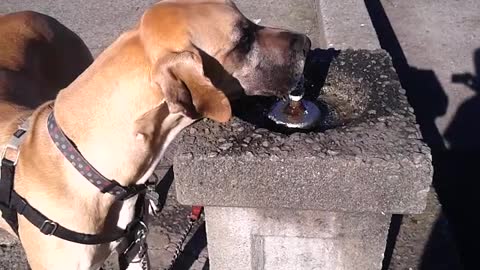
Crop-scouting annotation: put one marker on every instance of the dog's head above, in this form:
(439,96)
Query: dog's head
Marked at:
(205,52)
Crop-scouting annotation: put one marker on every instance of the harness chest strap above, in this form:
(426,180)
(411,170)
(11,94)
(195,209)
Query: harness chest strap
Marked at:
(12,203)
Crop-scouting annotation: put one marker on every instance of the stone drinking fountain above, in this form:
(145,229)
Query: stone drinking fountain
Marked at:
(322,198)
(315,199)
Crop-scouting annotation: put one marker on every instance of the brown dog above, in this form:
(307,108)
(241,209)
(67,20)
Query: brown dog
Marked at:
(183,61)
(38,57)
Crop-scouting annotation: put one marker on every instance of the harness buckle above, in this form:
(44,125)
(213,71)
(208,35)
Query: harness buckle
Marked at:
(48,224)
(13,148)
(15,142)
(137,244)
(130,191)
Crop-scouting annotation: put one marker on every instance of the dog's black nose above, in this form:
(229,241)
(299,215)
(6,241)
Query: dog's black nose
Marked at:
(301,43)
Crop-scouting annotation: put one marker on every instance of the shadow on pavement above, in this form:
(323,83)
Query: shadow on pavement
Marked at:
(192,250)
(457,170)
(451,167)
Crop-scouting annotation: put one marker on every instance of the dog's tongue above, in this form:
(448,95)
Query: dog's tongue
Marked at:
(295,112)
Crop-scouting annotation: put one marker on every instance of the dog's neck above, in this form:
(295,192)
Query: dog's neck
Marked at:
(117,118)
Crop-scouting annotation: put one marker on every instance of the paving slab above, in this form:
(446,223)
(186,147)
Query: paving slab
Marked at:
(425,242)
(416,33)
(301,16)
(346,24)
(439,35)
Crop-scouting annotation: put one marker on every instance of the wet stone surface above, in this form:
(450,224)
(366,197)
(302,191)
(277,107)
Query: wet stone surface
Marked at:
(368,157)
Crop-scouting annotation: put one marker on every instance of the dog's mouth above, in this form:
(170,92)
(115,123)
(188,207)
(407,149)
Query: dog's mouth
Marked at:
(291,82)
(273,78)
(297,81)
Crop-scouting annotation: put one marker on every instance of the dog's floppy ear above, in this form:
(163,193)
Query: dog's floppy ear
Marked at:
(187,90)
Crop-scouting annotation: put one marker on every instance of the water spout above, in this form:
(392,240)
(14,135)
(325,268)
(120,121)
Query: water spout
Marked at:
(295,112)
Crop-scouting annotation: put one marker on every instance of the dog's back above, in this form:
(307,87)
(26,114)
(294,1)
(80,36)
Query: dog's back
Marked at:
(39,56)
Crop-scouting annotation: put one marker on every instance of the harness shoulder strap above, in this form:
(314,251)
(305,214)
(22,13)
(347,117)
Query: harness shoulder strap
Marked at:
(12,204)
(12,149)
(6,188)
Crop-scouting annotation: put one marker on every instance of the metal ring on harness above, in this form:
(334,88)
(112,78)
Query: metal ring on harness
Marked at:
(51,223)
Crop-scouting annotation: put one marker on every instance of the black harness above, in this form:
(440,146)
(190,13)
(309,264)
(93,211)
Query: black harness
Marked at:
(11,203)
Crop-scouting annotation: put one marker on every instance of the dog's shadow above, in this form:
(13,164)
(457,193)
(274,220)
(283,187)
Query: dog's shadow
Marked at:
(163,187)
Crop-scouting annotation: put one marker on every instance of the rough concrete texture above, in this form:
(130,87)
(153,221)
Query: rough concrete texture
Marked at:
(283,239)
(354,30)
(374,162)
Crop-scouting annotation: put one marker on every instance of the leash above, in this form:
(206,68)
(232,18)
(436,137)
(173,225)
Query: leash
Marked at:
(136,252)
(192,219)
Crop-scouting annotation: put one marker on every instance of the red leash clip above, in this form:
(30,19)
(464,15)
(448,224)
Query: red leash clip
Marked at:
(196,212)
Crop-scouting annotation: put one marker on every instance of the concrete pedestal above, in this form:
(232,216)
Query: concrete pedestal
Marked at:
(282,239)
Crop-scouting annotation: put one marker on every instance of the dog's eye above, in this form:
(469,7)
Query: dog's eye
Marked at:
(246,40)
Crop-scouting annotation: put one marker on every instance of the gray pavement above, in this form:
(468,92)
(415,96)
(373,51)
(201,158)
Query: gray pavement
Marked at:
(430,41)
(424,241)
(98,23)
(439,35)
